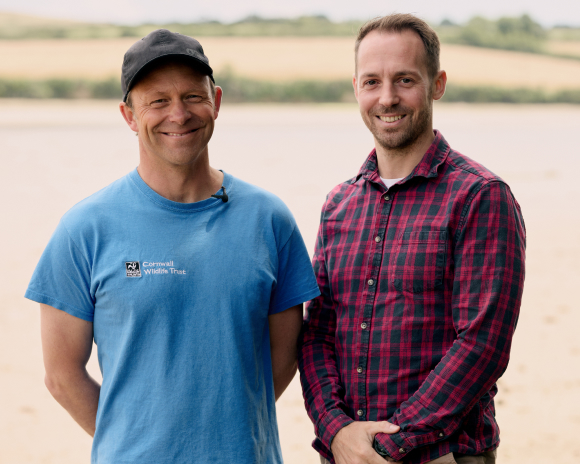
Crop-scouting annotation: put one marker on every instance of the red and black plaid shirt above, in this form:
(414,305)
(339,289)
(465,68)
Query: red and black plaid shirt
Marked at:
(421,289)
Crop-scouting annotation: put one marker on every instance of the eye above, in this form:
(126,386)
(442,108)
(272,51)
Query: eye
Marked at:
(371,82)
(158,102)
(405,80)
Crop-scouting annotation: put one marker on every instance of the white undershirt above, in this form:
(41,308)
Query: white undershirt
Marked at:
(390,182)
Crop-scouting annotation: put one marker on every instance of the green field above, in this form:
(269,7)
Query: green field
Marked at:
(507,33)
(306,59)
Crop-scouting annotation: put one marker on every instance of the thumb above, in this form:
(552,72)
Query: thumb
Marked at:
(385,427)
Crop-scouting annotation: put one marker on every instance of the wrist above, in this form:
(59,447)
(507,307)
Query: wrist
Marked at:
(330,425)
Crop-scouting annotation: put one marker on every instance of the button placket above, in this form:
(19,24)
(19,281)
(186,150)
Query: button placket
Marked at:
(374,264)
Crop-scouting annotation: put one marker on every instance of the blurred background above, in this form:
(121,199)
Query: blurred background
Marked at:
(289,123)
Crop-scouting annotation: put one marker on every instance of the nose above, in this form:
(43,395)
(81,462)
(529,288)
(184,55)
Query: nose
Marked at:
(179,113)
(388,96)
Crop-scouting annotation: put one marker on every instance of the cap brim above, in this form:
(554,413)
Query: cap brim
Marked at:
(147,67)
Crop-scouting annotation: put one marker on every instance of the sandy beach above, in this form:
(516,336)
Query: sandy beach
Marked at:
(56,153)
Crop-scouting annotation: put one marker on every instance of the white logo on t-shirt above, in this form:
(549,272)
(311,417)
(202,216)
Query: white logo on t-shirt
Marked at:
(133,269)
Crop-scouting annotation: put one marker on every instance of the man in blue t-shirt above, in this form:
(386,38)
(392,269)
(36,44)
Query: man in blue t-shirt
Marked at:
(190,282)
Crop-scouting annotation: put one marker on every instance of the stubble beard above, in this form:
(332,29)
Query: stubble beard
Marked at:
(183,154)
(401,141)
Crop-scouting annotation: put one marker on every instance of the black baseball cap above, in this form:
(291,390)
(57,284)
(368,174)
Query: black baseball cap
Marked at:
(159,44)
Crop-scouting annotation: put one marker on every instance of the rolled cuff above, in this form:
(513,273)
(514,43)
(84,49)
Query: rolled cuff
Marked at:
(394,445)
(330,424)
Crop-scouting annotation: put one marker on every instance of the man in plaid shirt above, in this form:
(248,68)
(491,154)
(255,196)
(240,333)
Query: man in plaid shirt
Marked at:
(420,261)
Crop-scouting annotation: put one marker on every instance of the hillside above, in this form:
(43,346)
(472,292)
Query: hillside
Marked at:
(285,59)
(512,60)
(23,27)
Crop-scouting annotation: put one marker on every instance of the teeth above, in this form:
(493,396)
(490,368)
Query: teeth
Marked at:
(173,134)
(390,118)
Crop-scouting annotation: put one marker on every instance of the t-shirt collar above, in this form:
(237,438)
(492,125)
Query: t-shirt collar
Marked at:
(153,196)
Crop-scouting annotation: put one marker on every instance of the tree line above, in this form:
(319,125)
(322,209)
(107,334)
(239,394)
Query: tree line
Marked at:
(510,33)
(239,89)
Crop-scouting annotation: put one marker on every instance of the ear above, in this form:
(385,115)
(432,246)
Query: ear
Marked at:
(129,116)
(217,103)
(439,84)
(355,87)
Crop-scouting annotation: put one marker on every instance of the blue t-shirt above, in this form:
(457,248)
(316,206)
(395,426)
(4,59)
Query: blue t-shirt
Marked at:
(179,295)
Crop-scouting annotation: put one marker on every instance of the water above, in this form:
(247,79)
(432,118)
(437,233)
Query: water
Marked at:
(56,153)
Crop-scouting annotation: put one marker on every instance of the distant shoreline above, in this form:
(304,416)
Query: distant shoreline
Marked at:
(245,90)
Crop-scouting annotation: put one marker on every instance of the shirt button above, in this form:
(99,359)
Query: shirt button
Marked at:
(402,450)
(387,197)
(441,434)
(359,369)
(377,239)
(360,412)
(363,325)
(371,282)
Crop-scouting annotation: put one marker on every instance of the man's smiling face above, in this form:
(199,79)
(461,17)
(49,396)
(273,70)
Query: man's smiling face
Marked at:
(394,89)
(173,111)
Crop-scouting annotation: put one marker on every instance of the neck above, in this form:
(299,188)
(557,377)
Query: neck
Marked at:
(183,184)
(395,163)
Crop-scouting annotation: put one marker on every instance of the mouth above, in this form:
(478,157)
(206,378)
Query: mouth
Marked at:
(392,118)
(179,134)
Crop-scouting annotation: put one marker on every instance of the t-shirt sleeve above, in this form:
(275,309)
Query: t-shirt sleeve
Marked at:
(62,278)
(295,281)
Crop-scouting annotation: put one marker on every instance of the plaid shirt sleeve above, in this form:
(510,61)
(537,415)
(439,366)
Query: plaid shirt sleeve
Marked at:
(323,391)
(489,252)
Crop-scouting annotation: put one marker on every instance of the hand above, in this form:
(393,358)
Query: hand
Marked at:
(353,444)
(388,459)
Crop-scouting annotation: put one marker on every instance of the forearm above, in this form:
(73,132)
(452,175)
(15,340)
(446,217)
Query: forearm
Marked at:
(66,347)
(283,375)
(322,389)
(439,407)
(78,393)
(284,331)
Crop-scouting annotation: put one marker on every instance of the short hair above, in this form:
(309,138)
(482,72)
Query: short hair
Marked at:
(400,22)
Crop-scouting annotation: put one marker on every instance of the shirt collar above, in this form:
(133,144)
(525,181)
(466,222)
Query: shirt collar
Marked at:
(427,167)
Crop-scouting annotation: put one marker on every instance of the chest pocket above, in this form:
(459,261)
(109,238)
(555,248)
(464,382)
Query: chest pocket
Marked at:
(419,260)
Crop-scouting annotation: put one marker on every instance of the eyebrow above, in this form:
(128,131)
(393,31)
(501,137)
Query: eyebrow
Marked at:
(397,74)
(407,73)
(372,74)
(154,93)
